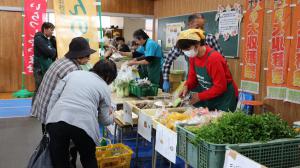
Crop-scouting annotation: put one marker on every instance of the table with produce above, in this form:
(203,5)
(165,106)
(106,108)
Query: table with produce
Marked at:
(198,136)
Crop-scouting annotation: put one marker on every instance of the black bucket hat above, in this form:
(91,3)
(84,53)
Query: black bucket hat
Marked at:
(79,48)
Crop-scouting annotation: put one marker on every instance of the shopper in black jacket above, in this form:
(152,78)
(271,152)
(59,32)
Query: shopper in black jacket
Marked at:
(44,51)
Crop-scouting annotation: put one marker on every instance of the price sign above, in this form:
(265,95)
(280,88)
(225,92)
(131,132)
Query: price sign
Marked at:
(145,126)
(166,142)
(127,117)
(234,159)
(111,128)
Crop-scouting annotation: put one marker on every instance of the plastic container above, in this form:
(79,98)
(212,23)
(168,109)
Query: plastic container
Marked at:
(176,76)
(142,91)
(114,156)
(280,153)
(199,155)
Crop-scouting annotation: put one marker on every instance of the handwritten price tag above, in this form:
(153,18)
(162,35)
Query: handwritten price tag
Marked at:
(127,117)
(235,160)
(166,142)
(145,126)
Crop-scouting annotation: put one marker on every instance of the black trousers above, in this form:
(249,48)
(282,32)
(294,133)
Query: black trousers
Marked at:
(73,151)
(60,135)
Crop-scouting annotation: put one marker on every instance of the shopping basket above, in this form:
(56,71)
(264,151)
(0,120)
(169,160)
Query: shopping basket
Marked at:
(113,156)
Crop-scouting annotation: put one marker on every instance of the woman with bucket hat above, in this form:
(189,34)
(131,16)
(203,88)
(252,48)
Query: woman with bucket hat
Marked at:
(78,54)
(209,75)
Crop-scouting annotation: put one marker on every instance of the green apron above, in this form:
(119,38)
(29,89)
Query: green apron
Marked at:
(225,102)
(151,71)
(45,64)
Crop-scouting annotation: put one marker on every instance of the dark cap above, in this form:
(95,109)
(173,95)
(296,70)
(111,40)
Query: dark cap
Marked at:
(79,48)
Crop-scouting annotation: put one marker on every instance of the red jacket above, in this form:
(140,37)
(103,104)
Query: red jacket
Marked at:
(217,69)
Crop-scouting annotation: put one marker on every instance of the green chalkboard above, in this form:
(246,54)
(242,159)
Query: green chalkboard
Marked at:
(230,47)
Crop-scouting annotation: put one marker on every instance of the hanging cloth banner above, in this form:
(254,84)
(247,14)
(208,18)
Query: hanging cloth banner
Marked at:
(293,83)
(76,18)
(35,14)
(253,29)
(279,50)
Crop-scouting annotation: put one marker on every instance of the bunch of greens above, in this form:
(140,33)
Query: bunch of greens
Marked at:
(238,127)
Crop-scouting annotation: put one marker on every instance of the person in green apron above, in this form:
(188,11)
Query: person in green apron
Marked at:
(151,57)
(209,80)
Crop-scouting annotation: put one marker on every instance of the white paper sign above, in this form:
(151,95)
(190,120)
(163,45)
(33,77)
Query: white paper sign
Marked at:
(229,23)
(234,159)
(111,129)
(127,117)
(166,142)
(145,126)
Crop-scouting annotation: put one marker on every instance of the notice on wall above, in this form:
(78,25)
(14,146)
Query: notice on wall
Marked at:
(229,19)
(234,159)
(166,142)
(145,126)
(229,23)
(172,32)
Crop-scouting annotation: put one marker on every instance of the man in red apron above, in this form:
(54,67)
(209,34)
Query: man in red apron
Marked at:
(209,75)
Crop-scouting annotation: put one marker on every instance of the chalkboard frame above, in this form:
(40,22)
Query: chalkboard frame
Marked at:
(161,27)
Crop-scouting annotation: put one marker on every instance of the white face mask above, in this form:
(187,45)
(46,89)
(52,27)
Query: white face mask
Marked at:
(190,53)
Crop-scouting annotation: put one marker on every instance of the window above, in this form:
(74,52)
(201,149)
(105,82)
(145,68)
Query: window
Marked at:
(149,27)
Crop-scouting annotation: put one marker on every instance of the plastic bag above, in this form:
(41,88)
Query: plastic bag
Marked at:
(41,156)
(116,56)
(125,76)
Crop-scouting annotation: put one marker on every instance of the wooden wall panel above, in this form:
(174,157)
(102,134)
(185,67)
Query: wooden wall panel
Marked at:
(10,53)
(168,8)
(18,3)
(144,7)
(10,3)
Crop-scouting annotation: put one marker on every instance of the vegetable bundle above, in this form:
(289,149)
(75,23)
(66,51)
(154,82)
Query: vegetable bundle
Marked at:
(233,128)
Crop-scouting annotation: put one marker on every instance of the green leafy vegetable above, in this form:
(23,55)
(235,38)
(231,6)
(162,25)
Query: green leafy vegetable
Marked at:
(238,127)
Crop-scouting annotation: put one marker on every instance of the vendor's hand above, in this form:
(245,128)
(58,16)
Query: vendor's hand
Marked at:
(132,62)
(115,50)
(194,99)
(184,92)
(166,86)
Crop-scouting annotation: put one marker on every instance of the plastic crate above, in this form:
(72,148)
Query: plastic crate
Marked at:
(176,76)
(282,153)
(186,149)
(199,155)
(114,156)
(142,91)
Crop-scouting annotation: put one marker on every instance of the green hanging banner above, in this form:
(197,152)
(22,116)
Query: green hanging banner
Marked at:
(101,29)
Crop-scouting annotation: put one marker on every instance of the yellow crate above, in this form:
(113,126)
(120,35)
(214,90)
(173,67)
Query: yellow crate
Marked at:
(174,86)
(176,76)
(113,156)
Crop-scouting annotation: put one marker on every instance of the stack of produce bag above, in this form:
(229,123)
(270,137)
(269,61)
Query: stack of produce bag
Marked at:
(125,76)
(196,117)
